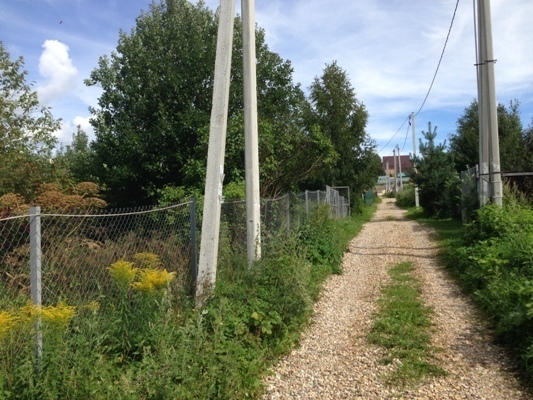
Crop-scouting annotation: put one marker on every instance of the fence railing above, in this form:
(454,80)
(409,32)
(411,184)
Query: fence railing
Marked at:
(65,257)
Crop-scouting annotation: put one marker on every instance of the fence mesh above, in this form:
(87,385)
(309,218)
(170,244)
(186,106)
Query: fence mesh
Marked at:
(76,250)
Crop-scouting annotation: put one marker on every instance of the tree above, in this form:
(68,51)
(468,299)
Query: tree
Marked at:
(78,157)
(437,180)
(26,133)
(334,108)
(152,123)
(464,144)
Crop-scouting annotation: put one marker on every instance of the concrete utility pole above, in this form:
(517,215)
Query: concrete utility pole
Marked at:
(400,167)
(488,119)
(387,183)
(417,202)
(215,155)
(253,205)
(395,174)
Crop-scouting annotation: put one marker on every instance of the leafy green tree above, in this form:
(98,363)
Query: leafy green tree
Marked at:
(26,133)
(437,179)
(156,93)
(152,124)
(78,157)
(464,144)
(335,109)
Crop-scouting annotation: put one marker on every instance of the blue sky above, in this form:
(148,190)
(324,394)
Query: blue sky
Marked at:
(390,49)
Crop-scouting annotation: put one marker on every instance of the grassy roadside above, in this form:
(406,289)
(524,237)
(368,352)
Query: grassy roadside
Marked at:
(402,326)
(140,346)
(491,260)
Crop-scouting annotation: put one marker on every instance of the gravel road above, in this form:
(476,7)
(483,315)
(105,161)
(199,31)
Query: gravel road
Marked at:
(334,361)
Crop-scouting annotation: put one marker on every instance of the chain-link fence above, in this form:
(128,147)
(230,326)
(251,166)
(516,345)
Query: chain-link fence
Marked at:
(57,257)
(54,257)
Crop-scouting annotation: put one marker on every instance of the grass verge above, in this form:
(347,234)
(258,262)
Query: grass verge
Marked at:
(402,326)
(152,344)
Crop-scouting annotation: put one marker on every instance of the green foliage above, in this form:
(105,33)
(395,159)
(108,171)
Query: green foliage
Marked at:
(342,118)
(78,157)
(406,197)
(26,133)
(494,262)
(139,343)
(437,180)
(152,120)
(513,139)
(402,326)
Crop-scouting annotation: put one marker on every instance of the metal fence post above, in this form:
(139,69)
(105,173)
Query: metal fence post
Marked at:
(35,272)
(194,247)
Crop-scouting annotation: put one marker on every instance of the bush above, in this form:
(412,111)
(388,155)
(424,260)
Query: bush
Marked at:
(496,265)
(406,197)
(142,341)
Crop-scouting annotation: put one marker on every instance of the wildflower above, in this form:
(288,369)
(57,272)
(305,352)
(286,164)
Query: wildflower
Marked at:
(123,273)
(148,260)
(59,315)
(7,321)
(153,280)
(92,306)
(29,312)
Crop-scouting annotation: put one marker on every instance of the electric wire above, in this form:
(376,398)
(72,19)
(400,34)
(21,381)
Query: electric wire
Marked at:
(440,60)
(393,136)
(432,81)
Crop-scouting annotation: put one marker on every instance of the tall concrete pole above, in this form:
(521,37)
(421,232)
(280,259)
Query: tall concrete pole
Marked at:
(400,168)
(482,112)
(395,169)
(489,96)
(387,183)
(251,140)
(215,155)
(417,202)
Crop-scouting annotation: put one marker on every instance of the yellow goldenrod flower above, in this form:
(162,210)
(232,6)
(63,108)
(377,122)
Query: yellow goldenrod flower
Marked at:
(29,312)
(153,280)
(7,321)
(123,273)
(148,260)
(92,306)
(59,315)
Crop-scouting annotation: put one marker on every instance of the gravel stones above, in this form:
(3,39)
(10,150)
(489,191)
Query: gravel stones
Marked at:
(334,360)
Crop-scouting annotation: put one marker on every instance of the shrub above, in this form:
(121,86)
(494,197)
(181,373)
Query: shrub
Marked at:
(406,197)
(496,265)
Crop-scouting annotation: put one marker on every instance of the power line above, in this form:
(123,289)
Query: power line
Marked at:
(440,60)
(432,82)
(393,136)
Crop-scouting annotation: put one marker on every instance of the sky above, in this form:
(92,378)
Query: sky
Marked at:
(389,48)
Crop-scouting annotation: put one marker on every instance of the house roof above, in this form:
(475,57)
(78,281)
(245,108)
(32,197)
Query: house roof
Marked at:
(404,160)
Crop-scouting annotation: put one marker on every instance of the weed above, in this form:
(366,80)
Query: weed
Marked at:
(402,326)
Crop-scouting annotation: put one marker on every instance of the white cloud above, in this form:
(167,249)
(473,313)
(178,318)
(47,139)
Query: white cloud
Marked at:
(56,66)
(68,128)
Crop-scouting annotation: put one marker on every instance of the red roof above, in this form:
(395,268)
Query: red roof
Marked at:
(405,161)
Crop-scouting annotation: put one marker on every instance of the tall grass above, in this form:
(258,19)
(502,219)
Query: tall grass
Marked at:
(492,259)
(141,341)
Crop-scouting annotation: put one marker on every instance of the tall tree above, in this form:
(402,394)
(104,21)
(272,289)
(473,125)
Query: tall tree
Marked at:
(338,113)
(437,180)
(26,132)
(78,157)
(156,93)
(153,116)
(464,144)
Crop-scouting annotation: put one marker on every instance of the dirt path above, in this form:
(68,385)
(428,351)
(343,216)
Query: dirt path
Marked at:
(334,361)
